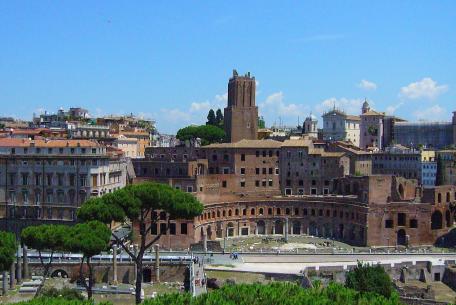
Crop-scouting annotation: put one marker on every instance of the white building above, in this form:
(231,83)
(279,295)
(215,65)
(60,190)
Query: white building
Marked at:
(339,126)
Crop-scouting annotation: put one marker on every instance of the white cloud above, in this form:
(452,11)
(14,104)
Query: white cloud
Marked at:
(350,106)
(426,88)
(198,107)
(275,105)
(392,108)
(176,116)
(433,113)
(367,85)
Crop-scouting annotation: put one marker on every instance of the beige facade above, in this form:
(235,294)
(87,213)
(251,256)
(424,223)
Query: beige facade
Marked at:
(339,126)
(128,145)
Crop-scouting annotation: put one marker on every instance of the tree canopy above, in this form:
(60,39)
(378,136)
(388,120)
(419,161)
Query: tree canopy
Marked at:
(367,278)
(90,239)
(7,250)
(207,133)
(211,119)
(141,204)
(45,237)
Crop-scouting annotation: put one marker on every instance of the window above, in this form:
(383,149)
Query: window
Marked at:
(270,171)
(242,157)
(263,183)
(277,171)
(24,179)
(37,179)
(388,223)
(224,184)
(172,229)
(270,182)
(413,223)
(257,183)
(163,228)
(257,170)
(184,228)
(12,179)
(25,196)
(153,229)
(243,183)
(189,189)
(288,191)
(257,153)
(264,170)
(60,179)
(242,170)
(82,180)
(401,219)
(49,179)
(226,170)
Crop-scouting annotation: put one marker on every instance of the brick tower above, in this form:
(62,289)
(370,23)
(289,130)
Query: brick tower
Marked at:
(241,114)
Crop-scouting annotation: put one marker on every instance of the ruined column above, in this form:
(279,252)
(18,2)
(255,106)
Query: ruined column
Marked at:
(4,283)
(12,280)
(25,268)
(157,263)
(18,266)
(114,264)
(286,229)
(205,241)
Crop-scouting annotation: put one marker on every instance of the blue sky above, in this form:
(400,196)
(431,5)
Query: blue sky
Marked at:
(171,60)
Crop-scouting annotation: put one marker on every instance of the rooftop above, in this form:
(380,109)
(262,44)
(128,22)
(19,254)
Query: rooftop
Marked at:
(46,143)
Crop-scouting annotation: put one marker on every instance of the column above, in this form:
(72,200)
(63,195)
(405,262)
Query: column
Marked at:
(25,269)
(204,240)
(286,229)
(18,265)
(157,263)
(12,283)
(4,283)
(114,264)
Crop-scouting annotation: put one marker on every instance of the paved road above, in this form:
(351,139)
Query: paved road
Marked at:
(294,264)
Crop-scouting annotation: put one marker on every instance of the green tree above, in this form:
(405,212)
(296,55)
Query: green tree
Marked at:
(207,133)
(90,239)
(142,205)
(367,278)
(45,238)
(7,250)
(219,118)
(261,122)
(211,120)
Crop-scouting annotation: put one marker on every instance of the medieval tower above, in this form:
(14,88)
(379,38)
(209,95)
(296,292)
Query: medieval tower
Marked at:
(241,114)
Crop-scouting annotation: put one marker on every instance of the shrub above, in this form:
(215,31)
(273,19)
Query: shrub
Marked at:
(65,293)
(366,278)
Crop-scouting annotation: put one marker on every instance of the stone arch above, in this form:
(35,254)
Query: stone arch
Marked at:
(261,227)
(213,214)
(436,220)
(252,211)
(278,211)
(439,198)
(313,230)
(236,212)
(401,238)
(209,232)
(230,229)
(224,213)
(278,227)
(296,227)
(59,273)
(287,211)
(230,213)
(341,231)
(260,211)
(448,197)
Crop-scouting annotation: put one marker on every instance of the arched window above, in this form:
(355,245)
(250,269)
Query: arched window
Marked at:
(261,211)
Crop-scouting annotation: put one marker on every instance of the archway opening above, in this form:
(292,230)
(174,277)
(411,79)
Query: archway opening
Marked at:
(279,227)
(261,227)
(230,230)
(296,227)
(436,220)
(401,238)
